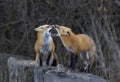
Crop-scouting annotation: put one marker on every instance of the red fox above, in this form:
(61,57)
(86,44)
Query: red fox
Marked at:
(77,44)
(44,46)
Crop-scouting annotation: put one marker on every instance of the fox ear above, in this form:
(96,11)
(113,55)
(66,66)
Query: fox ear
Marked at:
(38,29)
(41,27)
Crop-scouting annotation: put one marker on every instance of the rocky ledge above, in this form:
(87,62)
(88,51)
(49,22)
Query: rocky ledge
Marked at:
(26,71)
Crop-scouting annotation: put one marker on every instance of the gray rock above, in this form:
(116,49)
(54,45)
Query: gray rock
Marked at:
(21,70)
(4,73)
(62,74)
(53,76)
(39,73)
(27,71)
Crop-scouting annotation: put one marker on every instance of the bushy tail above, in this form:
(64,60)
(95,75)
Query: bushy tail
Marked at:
(92,53)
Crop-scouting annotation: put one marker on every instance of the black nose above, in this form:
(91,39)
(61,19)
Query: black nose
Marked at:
(53,31)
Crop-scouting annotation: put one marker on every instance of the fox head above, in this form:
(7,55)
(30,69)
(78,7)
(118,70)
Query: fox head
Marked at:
(60,31)
(64,31)
(42,28)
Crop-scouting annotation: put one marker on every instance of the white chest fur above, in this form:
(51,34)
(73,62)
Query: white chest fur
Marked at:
(46,47)
(66,46)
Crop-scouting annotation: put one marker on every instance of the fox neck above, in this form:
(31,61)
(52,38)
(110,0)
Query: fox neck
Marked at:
(46,46)
(47,38)
(68,41)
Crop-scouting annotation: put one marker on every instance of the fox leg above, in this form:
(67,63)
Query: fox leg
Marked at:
(73,61)
(55,60)
(52,60)
(48,59)
(85,61)
(92,53)
(37,58)
(92,59)
(76,56)
(40,60)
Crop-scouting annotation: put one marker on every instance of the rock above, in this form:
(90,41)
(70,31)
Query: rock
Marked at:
(27,71)
(4,57)
(4,73)
(53,76)
(39,73)
(21,70)
(62,74)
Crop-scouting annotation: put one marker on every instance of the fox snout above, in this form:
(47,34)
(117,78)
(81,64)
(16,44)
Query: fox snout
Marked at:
(53,30)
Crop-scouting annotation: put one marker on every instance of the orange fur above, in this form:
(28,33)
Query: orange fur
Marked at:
(39,45)
(77,43)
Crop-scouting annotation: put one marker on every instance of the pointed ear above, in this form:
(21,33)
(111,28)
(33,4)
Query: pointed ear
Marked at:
(38,29)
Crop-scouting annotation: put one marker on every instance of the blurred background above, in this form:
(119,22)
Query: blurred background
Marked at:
(100,19)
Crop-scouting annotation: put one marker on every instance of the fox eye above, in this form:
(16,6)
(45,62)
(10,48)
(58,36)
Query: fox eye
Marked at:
(68,32)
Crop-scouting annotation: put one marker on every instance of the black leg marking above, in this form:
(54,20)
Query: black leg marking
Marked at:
(54,63)
(76,56)
(48,59)
(55,60)
(40,62)
(72,65)
(82,69)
